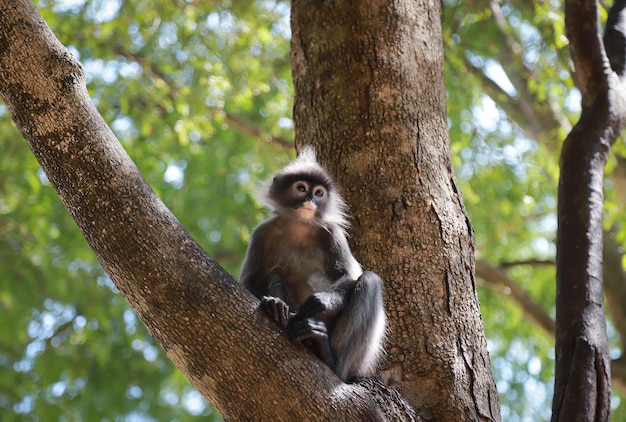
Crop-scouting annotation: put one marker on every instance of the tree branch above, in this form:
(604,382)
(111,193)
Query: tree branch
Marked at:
(532,309)
(540,117)
(586,47)
(253,131)
(513,107)
(535,117)
(533,262)
(510,54)
(615,283)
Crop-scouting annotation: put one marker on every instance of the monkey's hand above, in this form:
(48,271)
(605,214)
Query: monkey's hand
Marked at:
(313,335)
(277,309)
(321,305)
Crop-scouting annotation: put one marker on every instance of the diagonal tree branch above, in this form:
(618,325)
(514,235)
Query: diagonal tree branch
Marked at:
(496,276)
(586,47)
(537,118)
(615,283)
(541,118)
(254,131)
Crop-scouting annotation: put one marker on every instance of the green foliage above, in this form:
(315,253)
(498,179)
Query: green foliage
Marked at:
(199,94)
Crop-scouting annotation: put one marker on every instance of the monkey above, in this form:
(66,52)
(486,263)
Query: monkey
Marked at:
(300,266)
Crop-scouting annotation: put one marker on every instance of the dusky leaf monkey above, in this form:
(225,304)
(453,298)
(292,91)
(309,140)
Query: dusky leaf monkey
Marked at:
(300,266)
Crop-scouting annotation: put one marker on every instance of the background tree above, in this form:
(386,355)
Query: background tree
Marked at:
(510,101)
(582,387)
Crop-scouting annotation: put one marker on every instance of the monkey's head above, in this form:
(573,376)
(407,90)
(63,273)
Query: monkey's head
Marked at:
(305,190)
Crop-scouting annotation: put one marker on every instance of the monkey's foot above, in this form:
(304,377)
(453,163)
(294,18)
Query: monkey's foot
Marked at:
(313,335)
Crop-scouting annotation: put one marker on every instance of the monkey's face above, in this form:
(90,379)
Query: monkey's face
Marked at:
(310,199)
(302,198)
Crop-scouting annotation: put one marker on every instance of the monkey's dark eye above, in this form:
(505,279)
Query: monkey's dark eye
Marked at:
(319,193)
(301,188)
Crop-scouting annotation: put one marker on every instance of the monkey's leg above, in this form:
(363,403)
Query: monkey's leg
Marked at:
(326,304)
(311,325)
(357,336)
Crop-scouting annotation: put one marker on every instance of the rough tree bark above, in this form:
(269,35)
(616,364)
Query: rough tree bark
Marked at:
(582,378)
(379,66)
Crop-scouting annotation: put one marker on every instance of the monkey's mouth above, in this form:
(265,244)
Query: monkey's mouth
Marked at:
(307,210)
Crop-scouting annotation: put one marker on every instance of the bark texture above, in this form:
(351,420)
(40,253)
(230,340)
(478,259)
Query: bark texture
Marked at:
(582,378)
(206,323)
(369,94)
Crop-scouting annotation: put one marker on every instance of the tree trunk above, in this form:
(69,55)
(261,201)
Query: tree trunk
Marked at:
(582,377)
(369,93)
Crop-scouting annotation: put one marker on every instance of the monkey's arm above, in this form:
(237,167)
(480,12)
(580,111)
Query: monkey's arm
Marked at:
(344,325)
(275,302)
(259,276)
(341,256)
(253,270)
